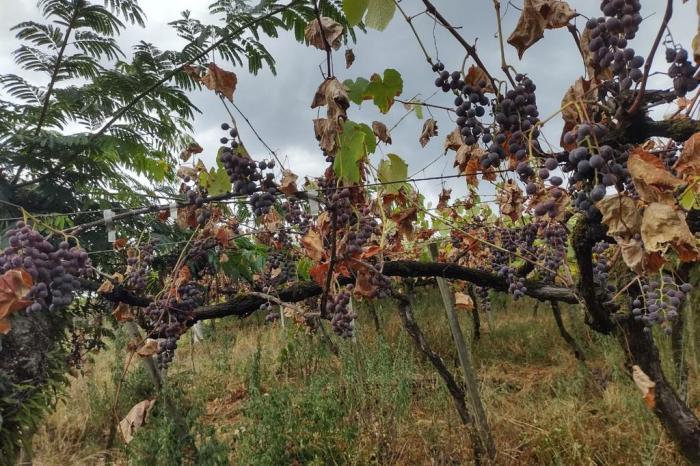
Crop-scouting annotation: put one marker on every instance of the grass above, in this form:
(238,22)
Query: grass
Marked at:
(257,394)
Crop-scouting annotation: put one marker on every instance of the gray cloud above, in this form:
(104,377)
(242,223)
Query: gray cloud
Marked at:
(279,106)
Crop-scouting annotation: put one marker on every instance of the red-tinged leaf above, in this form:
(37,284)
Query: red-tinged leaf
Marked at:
(122,313)
(370,251)
(476,76)
(119,244)
(5,326)
(163,215)
(444,198)
(471,170)
(318,272)
(645,385)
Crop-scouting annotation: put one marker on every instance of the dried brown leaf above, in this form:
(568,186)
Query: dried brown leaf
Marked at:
(463,301)
(653,181)
(137,417)
(380,130)
(621,215)
(122,313)
(148,348)
(453,141)
(688,163)
(330,29)
(475,75)
(663,226)
(430,129)
(349,58)
(220,80)
(313,245)
(536,16)
(645,385)
(288,185)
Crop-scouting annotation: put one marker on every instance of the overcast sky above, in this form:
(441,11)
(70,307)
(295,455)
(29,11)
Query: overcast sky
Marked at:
(279,106)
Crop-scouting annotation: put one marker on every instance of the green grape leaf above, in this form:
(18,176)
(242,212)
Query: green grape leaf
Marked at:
(370,138)
(391,170)
(379,13)
(383,90)
(215,181)
(354,10)
(352,150)
(357,90)
(687,200)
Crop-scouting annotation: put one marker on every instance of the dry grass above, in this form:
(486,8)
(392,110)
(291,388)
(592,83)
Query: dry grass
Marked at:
(544,407)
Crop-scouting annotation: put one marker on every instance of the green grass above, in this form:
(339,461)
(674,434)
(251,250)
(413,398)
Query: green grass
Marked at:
(257,394)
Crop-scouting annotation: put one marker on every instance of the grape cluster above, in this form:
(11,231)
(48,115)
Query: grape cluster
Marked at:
(280,260)
(359,237)
(295,215)
(341,204)
(343,318)
(382,285)
(169,316)
(482,294)
(609,36)
(54,271)
(682,71)
(600,269)
(138,264)
(597,167)
(516,284)
(470,103)
(660,302)
(271,315)
(555,236)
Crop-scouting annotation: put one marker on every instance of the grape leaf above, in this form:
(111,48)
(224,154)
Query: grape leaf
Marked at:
(354,10)
(379,13)
(215,181)
(352,150)
(391,170)
(220,80)
(383,90)
(356,89)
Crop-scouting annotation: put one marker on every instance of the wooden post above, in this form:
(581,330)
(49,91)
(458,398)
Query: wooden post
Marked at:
(465,359)
(150,365)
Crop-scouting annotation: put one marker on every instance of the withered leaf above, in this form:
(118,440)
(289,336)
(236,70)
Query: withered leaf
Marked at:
(663,226)
(444,198)
(122,313)
(688,163)
(510,200)
(137,417)
(288,184)
(575,98)
(332,31)
(379,129)
(149,348)
(313,245)
(326,132)
(653,181)
(430,129)
(453,141)
(645,385)
(475,75)
(463,301)
(14,286)
(621,215)
(334,96)
(220,80)
(536,16)
(349,58)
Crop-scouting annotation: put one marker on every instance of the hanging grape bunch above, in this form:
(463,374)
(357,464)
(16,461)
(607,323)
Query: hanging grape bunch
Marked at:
(138,262)
(246,174)
(659,303)
(469,104)
(361,234)
(682,71)
(56,272)
(609,35)
(279,268)
(502,261)
(555,237)
(295,215)
(343,318)
(169,318)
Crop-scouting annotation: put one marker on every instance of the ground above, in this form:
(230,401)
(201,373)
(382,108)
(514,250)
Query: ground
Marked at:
(259,394)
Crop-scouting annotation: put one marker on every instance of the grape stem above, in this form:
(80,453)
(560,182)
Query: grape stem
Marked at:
(504,65)
(471,50)
(331,265)
(647,65)
(326,45)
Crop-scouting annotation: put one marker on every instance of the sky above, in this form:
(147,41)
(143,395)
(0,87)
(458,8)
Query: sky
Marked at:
(279,106)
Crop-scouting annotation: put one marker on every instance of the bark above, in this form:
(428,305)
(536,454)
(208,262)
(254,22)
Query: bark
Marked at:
(573,344)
